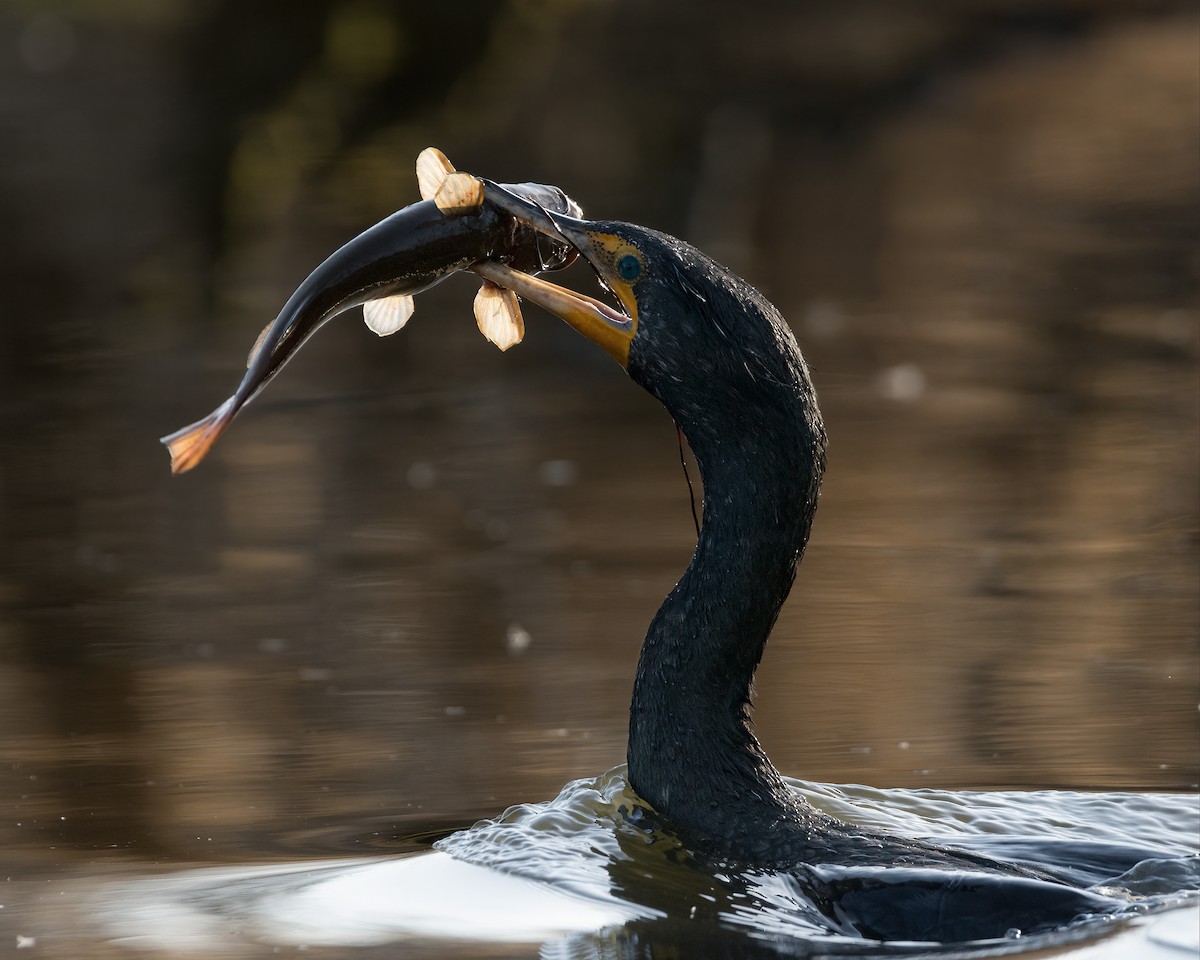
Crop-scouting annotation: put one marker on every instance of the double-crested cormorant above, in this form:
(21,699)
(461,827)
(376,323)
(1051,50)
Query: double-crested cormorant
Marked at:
(728,369)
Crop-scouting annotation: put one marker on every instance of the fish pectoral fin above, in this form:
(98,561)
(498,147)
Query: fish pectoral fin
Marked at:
(459,194)
(498,314)
(384,317)
(456,194)
(432,170)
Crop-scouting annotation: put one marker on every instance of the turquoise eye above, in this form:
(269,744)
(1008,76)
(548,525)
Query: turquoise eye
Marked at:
(629,267)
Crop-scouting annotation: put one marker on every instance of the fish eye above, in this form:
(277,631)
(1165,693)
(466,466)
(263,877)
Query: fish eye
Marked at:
(629,268)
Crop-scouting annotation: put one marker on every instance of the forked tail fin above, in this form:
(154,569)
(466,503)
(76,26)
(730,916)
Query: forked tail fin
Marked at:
(189,445)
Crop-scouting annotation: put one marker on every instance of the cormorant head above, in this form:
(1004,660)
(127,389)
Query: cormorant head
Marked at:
(709,346)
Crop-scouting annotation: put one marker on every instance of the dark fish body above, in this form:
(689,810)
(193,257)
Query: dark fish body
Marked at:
(408,252)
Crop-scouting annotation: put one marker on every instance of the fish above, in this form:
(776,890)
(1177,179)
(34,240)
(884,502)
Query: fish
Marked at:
(454,227)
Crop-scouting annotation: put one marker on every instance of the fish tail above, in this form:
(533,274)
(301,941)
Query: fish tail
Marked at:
(189,445)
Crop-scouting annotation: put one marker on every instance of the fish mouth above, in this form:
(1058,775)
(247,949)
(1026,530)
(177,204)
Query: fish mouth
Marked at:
(610,328)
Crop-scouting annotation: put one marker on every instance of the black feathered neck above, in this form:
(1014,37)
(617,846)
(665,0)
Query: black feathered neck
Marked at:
(728,369)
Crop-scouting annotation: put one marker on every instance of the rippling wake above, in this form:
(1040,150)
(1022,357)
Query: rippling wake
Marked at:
(587,875)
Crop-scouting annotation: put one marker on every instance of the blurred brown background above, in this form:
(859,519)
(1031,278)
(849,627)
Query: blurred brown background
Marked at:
(411,583)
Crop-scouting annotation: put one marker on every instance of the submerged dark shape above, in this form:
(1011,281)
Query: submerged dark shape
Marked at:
(408,252)
(726,366)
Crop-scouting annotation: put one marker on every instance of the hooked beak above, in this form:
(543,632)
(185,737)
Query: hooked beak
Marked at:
(593,318)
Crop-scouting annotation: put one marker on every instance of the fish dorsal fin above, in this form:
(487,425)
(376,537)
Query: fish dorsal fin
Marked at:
(254,350)
(432,170)
(498,314)
(389,314)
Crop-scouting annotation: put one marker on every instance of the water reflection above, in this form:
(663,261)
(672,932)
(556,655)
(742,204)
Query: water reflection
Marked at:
(323,628)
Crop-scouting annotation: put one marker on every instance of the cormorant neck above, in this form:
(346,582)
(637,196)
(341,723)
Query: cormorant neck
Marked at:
(692,754)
